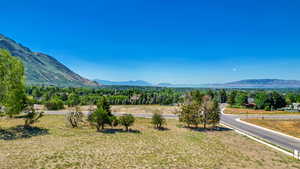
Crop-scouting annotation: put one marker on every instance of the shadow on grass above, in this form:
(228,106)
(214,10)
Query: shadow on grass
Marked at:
(210,129)
(113,131)
(20,132)
(161,129)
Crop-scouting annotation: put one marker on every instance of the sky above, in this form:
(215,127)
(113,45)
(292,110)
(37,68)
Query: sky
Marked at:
(183,42)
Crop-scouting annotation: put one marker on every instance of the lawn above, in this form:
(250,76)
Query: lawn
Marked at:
(51,144)
(252,111)
(290,127)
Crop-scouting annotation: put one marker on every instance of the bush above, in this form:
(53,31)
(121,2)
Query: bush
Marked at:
(32,116)
(74,118)
(126,120)
(158,120)
(54,104)
(99,118)
(267,108)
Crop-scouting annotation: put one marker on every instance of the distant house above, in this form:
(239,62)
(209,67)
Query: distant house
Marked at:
(251,103)
(296,106)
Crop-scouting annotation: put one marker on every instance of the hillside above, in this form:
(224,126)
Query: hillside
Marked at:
(42,69)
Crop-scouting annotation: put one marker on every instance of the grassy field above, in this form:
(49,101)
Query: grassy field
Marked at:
(290,127)
(252,111)
(51,144)
(145,109)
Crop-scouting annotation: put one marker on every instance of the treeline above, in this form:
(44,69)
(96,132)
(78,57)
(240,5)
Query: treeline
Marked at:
(267,100)
(116,96)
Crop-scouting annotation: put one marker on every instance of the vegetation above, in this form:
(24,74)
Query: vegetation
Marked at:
(54,104)
(51,144)
(126,120)
(12,89)
(158,120)
(199,109)
(74,118)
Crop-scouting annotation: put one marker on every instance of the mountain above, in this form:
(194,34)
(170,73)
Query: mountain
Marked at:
(42,69)
(249,83)
(264,83)
(124,83)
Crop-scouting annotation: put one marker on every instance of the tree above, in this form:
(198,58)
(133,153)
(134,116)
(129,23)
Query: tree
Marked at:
(241,99)
(104,104)
(158,120)
(73,100)
(99,118)
(126,120)
(12,88)
(210,110)
(223,96)
(231,98)
(278,101)
(54,104)
(262,100)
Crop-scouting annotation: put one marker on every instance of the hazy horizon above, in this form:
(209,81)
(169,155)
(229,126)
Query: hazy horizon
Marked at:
(178,42)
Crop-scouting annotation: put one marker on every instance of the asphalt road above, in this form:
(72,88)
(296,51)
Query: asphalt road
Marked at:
(285,142)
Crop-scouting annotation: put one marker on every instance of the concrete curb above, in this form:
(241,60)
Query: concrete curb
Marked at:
(260,141)
(273,131)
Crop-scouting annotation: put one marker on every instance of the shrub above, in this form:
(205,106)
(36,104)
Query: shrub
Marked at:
(32,116)
(99,118)
(267,108)
(158,120)
(54,104)
(74,118)
(126,120)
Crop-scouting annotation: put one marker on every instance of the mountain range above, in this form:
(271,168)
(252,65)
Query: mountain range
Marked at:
(250,83)
(42,69)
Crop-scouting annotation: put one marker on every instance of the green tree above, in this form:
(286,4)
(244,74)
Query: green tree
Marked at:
(100,118)
(231,98)
(54,104)
(158,120)
(223,96)
(104,104)
(262,100)
(73,100)
(12,88)
(278,101)
(241,99)
(126,120)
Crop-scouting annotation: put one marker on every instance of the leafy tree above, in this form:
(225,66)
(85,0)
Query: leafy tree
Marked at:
(262,100)
(73,100)
(241,99)
(210,110)
(103,103)
(223,96)
(126,120)
(158,120)
(231,98)
(100,118)
(54,104)
(278,101)
(12,88)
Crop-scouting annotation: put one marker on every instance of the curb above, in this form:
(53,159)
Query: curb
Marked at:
(273,131)
(260,141)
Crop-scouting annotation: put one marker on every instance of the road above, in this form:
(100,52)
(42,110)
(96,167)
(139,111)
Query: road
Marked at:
(285,142)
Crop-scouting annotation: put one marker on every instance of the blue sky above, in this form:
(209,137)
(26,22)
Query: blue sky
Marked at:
(174,41)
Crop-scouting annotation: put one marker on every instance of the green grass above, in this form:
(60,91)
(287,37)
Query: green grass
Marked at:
(53,145)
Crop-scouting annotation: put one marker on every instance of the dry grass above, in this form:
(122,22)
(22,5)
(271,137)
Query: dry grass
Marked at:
(252,111)
(290,127)
(145,109)
(61,147)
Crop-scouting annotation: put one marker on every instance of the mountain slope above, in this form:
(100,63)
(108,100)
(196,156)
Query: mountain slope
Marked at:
(42,69)
(124,83)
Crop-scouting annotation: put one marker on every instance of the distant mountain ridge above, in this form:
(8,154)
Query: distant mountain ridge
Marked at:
(249,83)
(124,83)
(265,83)
(42,69)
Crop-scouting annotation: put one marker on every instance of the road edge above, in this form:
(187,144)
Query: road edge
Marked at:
(270,130)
